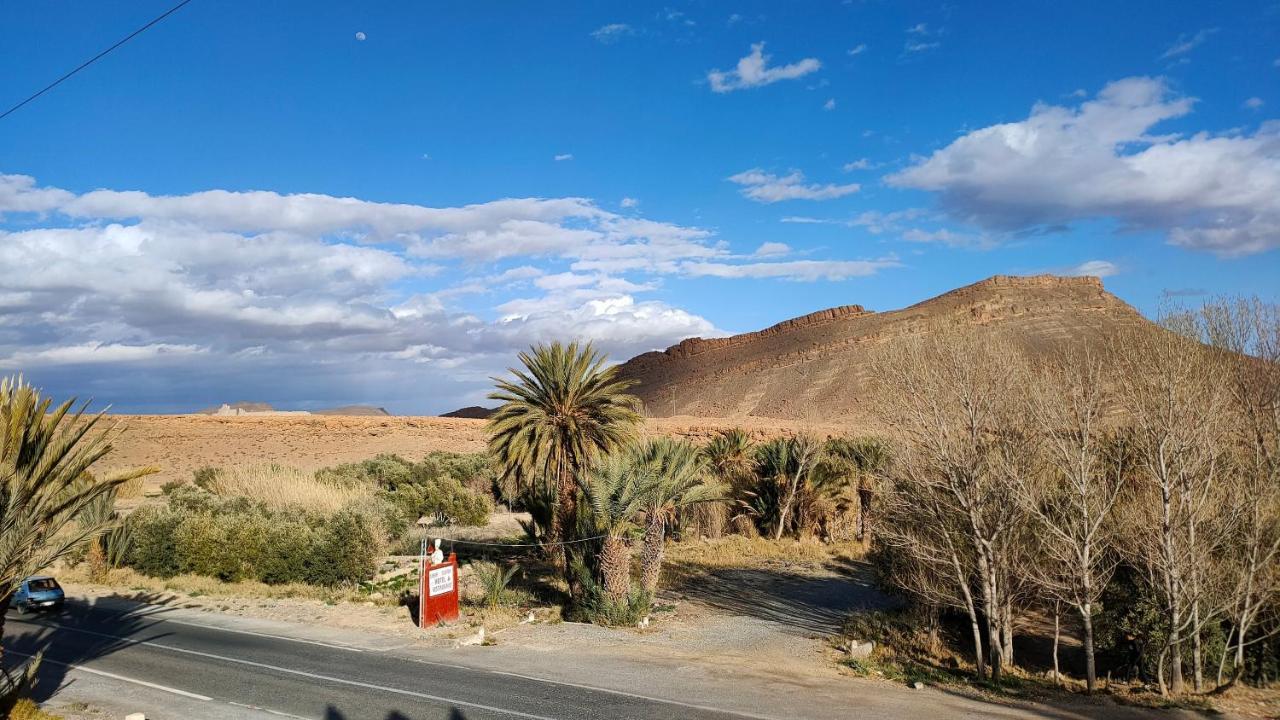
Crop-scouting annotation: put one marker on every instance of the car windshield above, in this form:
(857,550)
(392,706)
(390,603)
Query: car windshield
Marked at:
(43,584)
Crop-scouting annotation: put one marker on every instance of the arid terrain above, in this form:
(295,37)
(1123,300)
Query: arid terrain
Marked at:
(816,367)
(179,444)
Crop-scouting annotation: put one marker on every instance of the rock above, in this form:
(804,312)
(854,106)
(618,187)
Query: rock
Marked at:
(476,638)
(137,716)
(529,618)
(859,650)
(644,622)
(375,596)
(917,685)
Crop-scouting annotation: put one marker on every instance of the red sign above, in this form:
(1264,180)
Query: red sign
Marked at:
(437,591)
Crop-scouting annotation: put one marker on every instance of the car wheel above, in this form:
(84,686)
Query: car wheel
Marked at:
(23,609)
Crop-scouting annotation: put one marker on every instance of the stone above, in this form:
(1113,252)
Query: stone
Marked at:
(139,716)
(644,622)
(475,638)
(859,650)
(917,685)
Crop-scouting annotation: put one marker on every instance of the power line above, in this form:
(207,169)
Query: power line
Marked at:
(95,58)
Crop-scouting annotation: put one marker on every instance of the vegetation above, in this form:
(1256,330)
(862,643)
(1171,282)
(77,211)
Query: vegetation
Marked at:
(494,579)
(680,481)
(617,490)
(1139,488)
(46,454)
(445,488)
(560,413)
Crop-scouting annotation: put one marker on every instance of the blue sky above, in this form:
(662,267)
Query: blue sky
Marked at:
(249,201)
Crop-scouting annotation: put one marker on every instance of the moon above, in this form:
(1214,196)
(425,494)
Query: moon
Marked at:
(361,36)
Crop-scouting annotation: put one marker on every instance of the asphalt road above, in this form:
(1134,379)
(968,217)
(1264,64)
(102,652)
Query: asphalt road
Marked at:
(216,668)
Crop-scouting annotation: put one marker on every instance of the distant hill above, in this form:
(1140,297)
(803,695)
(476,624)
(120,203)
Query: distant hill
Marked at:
(352,410)
(473,412)
(252,408)
(815,368)
(242,406)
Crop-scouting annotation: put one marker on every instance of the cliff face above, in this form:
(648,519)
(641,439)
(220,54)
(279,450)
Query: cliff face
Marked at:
(814,368)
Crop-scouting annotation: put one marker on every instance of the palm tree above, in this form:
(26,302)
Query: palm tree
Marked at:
(618,488)
(862,459)
(680,479)
(730,456)
(563,410)
(788,463)
(45,486)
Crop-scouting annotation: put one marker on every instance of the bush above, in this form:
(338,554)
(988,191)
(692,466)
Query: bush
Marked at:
(235,539)
(494,579)
(433,488)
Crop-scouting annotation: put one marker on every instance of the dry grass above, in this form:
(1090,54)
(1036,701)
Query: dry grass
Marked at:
(204,586)
(279,486)
(132,489)
(736,551)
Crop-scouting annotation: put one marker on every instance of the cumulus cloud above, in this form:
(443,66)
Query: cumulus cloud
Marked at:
(170,302)
(772,248)
(830,104)
(1102,159)
(754,71)
(1254,103)
(629,202)
(766,187)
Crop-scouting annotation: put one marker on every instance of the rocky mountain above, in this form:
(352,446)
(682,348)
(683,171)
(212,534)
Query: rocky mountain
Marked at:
(814,368)
(473,412)
(352,410)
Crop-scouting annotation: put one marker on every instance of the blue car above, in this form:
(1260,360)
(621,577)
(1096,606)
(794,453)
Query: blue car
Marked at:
(38,592)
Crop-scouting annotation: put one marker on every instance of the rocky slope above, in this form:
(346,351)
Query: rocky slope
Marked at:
(814,368)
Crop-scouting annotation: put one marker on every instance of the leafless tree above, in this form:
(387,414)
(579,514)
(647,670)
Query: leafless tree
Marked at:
(1247,331)
(952,400)
(1176,405)
(1071,500)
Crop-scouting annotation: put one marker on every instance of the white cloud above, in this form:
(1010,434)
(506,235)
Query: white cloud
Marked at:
(772,248)
(629,202)
(1097,268)
(915,46)
(830,104)
(797,270)
(1254,103)
(918,29)
(1187,43)
(612,32)
(563,156)
(171,302)
(949,238)
(754,71)
(857,49)
(860,164)
(769,188)
(1210,192)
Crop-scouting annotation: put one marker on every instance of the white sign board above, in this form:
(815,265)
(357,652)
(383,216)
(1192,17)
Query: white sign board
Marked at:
(440,581)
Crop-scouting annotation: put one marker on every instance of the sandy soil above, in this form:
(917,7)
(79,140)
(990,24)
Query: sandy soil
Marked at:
(179,444)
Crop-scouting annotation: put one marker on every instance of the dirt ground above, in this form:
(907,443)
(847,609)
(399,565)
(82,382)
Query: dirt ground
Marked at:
(180,444)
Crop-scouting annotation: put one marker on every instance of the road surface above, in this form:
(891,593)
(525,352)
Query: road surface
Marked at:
(220,672)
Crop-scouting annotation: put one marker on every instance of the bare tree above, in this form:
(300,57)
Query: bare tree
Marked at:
(952,400)
(1071,501)
(1176,404)
(1248,331)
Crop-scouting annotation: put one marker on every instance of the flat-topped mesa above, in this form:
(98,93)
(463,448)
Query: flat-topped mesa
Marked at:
(694,346)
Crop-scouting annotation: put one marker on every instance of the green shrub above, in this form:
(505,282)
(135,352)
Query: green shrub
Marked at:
(154,548)
(433,488)
(494,579)
(346,550)
(236,539)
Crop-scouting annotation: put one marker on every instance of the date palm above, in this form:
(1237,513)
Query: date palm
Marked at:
(47,495)
(787,464)
(618,488)
(680,471)
(860,460)
(562,411)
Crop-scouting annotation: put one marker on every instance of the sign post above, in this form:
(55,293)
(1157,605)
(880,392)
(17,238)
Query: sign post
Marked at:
(437,588)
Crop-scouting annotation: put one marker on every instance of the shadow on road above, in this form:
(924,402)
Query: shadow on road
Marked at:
(68,637)
(333,713)
(798,602)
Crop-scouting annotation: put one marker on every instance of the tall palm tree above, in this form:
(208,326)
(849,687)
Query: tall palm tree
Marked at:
(618,487)
(730,455)
(45,486)
(862,458)
(563,410)
(680,473)
(788,463)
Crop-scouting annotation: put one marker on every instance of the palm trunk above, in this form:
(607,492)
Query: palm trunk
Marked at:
(864,512)
(615,566)
(784,514)
(655,536)
(563,524)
